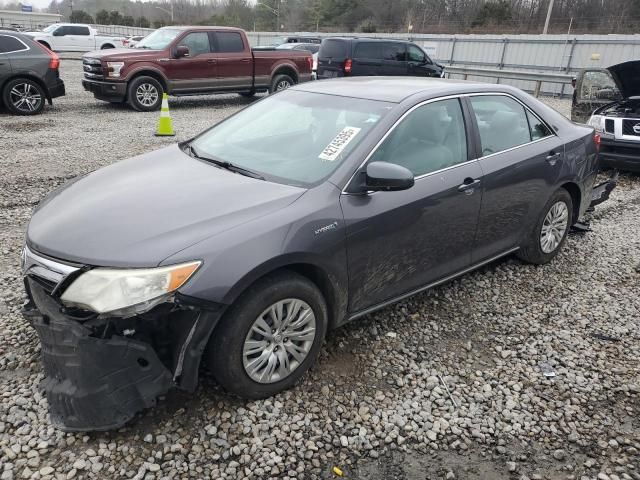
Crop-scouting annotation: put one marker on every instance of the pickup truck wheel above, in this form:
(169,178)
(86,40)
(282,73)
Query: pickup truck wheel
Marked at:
(269,337)
(23,96)
(145,94)
(281,82)
(550,231)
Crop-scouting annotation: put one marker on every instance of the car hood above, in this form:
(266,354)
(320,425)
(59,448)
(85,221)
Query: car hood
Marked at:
(137,212)
(627,77)
(122,54)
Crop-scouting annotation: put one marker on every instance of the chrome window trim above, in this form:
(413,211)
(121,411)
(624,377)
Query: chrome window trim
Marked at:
(39,266)
(503,94)
(26,47)
(393,127)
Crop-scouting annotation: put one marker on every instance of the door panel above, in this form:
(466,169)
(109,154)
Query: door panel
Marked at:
(394,61)
(419,64)
(367,59)
(519,173)
(198,70)
(234,62)
(400,241)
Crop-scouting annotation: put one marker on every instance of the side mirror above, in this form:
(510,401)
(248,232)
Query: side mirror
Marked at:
(388,177)
(182,51)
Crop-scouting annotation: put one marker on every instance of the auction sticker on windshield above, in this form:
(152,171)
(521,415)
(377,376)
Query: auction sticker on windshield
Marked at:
(339,143)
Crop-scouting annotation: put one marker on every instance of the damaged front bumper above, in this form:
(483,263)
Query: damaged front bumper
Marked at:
(99,372)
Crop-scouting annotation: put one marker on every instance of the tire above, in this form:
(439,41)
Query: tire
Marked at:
(226,355)
(23,96)
(542,249)
(141,85)
(281,82)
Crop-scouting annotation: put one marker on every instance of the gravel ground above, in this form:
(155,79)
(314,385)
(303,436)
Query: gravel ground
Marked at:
(448,384)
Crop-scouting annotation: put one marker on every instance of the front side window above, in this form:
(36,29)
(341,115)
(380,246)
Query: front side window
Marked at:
(229,42)
(415,54)
(11,44)
(197,42)
(293,137)
(597,84)
(502,123)
(430,138)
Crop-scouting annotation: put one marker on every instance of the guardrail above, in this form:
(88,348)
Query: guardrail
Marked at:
(527,75)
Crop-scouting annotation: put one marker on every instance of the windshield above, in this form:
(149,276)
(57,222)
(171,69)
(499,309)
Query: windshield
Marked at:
(51,28)
(293,137)
(158,40)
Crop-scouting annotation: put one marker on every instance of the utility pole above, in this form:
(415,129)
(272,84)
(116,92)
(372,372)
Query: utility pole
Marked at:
(546,23)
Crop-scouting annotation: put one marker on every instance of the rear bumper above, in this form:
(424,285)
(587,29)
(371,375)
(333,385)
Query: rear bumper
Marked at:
(620,154)
(97,376)
(107,91)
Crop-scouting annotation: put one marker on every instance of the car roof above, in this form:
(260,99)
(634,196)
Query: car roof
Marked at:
(18,35)
(200,27)
(369,39)
(397,89)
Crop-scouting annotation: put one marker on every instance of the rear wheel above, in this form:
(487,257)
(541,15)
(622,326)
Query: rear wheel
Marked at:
(270,336)
(281,82)
(24,96)
(550,231)
(145,94)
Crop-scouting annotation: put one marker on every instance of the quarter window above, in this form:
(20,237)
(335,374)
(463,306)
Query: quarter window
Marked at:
(10,44)
(430,138)
(502,123)
(538,128)
(197,42)
(229,42)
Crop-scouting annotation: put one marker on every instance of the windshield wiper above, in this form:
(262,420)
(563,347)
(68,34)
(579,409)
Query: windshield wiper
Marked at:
(191,151)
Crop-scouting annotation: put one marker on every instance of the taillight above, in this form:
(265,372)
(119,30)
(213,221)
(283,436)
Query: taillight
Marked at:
(596,140)
(310,62)
(347,66)
(54,59)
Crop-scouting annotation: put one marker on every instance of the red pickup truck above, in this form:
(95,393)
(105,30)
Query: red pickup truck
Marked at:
(190,61)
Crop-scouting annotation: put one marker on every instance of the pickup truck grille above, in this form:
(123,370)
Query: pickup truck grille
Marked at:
(92,69)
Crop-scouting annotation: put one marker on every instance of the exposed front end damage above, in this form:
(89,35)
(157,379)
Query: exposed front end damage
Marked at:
(99,372)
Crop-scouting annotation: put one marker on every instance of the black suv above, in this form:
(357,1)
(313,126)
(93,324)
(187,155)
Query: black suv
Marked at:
(341,57)
(29,74)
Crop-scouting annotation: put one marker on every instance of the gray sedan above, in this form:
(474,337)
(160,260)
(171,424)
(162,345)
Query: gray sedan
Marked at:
(306,210)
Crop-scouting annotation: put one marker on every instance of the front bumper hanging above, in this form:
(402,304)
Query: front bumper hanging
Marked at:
(96,377)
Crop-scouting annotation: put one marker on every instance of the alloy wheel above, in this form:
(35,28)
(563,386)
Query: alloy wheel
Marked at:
(282,85)
(279,340)
(554,227)
(147,94)
(25,97)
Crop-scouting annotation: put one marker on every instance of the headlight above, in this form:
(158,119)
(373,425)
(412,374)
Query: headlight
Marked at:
(113,69)
(597,122)
(110,290)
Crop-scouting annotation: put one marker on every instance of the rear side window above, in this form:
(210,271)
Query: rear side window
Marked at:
(537,127)
(77,30)
(502,123)
(335,49)
(430,138)
(368,50)
(229,42)
(394,51)
(10,44)
(197,42)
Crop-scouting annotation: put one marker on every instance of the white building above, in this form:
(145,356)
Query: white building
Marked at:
(27,20)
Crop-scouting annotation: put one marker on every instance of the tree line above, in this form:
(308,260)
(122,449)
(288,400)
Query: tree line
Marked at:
(369,16)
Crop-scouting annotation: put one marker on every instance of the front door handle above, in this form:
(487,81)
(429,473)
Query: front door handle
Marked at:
(552,158)
(245,60)
(212,60)
(469,185)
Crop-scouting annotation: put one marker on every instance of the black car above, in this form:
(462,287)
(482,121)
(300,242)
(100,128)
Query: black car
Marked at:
(342,57)
(309,47)
(29,74)
(308,209)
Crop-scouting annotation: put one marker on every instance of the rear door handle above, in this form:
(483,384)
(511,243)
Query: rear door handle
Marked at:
(212,60)
(469,186)
(553,157)
(245,60)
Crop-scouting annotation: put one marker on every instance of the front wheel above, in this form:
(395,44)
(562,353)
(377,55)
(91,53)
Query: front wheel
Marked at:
(145,94)
(550,231)
(23,96)
(281,82)
(270,336)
